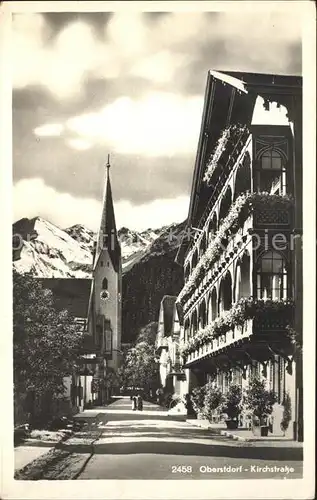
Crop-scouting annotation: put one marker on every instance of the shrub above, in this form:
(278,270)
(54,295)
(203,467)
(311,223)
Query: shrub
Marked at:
(198,398)
(287,412)
(213,400)
(260,400)
(232,403)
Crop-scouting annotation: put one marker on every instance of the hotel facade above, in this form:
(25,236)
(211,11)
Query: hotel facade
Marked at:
(241,252)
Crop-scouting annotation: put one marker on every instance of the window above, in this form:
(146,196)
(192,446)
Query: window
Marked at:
(187,271)
(271,276)
(212,228)
(225,299)
(105,284)
(272,173)
(195,259)
(213,305)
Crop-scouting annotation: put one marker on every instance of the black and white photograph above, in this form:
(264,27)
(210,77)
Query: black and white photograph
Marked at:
(158,289)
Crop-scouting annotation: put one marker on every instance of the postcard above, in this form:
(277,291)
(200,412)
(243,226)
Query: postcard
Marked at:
(159,307)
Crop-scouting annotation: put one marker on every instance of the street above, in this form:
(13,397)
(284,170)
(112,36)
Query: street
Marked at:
(153,445)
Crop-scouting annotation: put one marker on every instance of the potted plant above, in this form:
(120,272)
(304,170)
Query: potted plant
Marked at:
(287,413)
(260,401)
(232,406)
(212,401)
(198,398)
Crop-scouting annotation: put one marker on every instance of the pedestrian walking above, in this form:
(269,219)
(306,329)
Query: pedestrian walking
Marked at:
(159,396)
(134,402)
(140,402)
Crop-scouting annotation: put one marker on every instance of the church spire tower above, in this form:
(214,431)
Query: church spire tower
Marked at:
(107,235)
(104,315)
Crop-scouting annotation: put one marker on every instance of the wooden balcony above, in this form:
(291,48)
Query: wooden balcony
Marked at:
(254,218)
(265,328)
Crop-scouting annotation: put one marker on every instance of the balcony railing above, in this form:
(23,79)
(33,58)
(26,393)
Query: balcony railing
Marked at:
(267,210)
(246,317)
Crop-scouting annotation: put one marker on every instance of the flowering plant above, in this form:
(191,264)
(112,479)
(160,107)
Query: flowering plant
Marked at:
(244,309)
(229,226)
(228,133)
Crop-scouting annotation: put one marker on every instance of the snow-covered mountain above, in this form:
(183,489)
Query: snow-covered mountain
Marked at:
(135,245)
(148,263)
(83,235)
(48,251)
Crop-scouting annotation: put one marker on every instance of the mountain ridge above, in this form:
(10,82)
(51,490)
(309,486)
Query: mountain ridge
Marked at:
(148,263)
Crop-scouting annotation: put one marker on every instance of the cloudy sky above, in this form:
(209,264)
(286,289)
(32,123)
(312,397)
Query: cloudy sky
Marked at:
(129,84)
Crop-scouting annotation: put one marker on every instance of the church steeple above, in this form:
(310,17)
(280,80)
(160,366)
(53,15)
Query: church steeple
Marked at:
(107,236)
(108,165)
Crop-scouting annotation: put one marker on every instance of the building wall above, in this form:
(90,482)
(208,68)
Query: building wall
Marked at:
(200,309)
(110,308)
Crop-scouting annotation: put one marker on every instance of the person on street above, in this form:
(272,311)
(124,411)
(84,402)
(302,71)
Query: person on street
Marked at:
(159,396)
(139,402)
(134,403)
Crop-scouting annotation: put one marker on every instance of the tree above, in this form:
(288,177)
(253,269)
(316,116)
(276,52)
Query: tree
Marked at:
(148,333)
(140,366)
(260,400)
(45,341)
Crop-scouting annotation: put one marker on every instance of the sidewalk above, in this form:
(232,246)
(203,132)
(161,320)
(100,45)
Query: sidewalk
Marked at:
(244,434)
(26,453)
(39,443)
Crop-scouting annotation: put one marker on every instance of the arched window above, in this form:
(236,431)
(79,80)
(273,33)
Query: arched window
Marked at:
(225,204)
(194,324)
(213,305)
(243,178)
(225,299)
(105,284)
(209,310)
(195,259)
(242,288)
(212,227)
(271,276)
(187,271)
(187,330)
(202,315)
(272,173)
(203,245)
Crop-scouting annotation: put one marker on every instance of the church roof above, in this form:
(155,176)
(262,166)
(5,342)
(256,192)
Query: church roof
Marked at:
(107,236)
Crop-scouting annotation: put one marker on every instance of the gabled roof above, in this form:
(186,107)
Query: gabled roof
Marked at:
(107,235)
(245,87)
